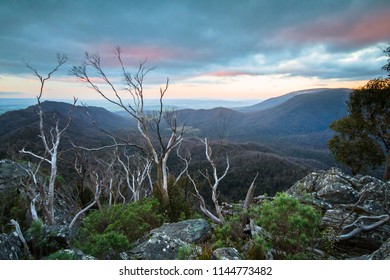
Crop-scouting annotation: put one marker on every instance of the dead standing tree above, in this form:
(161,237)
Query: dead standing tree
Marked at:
(51,140)
(155,147)
(213,182)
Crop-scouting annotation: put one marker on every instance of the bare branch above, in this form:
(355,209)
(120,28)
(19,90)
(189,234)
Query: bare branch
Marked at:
(363,223)
(95,200)
(250,193)
(21,237)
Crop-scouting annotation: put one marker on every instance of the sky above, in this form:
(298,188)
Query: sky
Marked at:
(247,49)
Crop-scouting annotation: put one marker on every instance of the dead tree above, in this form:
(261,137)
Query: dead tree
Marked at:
(136,174)
(213,182)
(154,147)
(89,206)
(51,140)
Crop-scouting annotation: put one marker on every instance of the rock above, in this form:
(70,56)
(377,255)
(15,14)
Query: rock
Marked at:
(349,204)
(164,242)
(338,193)
(10,247)
(383,253)
(70,254)
(17,189)
(228,253)
(47,239)
(375,196)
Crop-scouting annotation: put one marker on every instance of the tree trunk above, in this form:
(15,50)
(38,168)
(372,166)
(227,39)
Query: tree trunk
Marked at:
(162,191)
(386,176)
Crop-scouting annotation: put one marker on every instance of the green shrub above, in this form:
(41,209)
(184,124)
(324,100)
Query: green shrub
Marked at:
(60,255)
(257,248)
(13,205)
(107,245)
(230,234)
(41,243)
(180,200)
(130,221)
(187,252)
(290,226)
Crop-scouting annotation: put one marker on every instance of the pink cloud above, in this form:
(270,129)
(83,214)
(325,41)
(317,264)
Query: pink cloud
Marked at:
(368,28)
(134,54)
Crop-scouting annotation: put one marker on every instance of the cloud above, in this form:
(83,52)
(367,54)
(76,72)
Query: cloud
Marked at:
(11,93)
(185,38)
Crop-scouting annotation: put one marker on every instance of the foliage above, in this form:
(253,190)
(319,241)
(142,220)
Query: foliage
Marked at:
(107,245)
(60,255)
(41,242)
(130,221)
(205,253)
(13,205)
(187,252)
(258,247)
(229,234)
(290,226)
(363,137)
(179,201)
(353,145)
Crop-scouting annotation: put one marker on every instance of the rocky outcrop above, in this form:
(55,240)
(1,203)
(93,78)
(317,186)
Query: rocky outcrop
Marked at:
(10,247)
(70,254)
(17,190)
(163,243)
(356,208)
(383,253)
(227,253)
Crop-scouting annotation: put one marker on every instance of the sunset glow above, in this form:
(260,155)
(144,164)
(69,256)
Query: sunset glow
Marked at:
(206,52)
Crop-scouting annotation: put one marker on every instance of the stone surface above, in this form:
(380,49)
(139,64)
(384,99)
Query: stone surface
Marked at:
(10,247)
(383,253)
(164,242)
(75,254)
(345,201)
(227,253)
(17,189)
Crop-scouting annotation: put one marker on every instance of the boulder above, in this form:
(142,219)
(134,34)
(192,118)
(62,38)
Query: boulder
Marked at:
(70,254)
(383,253)
(17,189)
(163,243)
(356,208)
(10,247)
(45,240)
(227,253)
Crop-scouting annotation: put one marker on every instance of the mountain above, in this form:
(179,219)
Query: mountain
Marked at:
(301,113)
(298,127)
(285,141)
(20,127)
(275,101)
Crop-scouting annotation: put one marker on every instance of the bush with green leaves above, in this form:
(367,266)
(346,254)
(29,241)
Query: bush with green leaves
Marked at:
(60,255)
(112,229)
(229,234)
(290,227)
(107,245)
(180,200)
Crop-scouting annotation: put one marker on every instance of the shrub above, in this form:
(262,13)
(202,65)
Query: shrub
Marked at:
(60,255)
(230,234)
(180,201)
(130,221)
(291,226)
(107,245)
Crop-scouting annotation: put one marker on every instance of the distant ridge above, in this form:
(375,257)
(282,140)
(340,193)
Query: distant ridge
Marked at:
(275,101)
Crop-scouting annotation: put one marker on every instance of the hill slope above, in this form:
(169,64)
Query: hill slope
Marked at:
(275,101)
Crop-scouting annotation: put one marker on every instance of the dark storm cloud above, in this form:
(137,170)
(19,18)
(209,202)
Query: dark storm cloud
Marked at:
(184,38)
